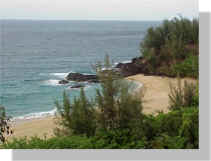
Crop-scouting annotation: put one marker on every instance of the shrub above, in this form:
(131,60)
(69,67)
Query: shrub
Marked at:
(172,48)
(77,118)
(118,107)
(118,139)
(177,129)
(168,142)
(190,128)
(64,142)
(189,67)
(183,96)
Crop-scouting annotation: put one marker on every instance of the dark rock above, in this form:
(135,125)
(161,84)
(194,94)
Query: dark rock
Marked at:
(136,66)
(63,82)
(132,68)
(119,65)
(77,86)
(82,77)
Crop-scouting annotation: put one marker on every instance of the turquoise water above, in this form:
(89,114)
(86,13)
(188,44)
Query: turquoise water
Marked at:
(35,55)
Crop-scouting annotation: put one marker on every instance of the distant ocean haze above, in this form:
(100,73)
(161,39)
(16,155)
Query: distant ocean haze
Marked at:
(35,55)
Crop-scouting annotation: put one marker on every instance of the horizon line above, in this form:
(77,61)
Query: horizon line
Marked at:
(32,19)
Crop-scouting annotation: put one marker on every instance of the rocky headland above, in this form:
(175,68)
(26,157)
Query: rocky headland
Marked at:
(135,66)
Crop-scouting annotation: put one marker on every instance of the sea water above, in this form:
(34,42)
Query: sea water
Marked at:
(35,55)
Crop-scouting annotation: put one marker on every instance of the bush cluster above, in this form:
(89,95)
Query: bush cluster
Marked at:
(176,130)
(77,118)
(172,48)
(182,96)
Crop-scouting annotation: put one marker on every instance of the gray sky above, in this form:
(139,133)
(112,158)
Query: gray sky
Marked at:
(97,9)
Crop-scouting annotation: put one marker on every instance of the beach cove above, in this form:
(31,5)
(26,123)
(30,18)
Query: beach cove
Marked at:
(156,90)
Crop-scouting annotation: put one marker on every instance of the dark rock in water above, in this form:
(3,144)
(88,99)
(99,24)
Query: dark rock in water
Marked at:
(77,86)
(136,66)
(63,82)
(82,77)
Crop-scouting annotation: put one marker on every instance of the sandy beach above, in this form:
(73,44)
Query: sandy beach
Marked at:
(156,90)
(33,127)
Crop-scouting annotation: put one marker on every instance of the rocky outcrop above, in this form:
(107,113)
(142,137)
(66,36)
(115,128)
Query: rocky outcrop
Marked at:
(82,78)
(78,86)
(136,66)
(78,77)
(63,82)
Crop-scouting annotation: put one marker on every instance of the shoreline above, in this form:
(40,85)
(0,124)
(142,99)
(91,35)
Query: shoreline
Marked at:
(155,99)
(41,127)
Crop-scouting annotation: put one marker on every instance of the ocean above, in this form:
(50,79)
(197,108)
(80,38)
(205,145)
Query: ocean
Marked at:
(35,55)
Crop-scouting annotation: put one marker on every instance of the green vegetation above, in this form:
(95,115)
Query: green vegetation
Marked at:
(176,130)
(183,96)
(172,48)
(82,120)
(119,109)
(114,118)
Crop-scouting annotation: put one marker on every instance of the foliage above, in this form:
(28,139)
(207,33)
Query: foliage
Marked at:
(4,125)
(118,139)
(172,48)
(189,67)
(119,108)
(77,118)
(183,96)
(178,129)
(64,142)
(190,128)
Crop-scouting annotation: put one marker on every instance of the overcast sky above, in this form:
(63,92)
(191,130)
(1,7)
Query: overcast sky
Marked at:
(97,9)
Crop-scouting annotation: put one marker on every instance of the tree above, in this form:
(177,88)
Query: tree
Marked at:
(118,107)
(76,118)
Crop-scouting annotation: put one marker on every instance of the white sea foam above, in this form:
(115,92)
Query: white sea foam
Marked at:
(124,62)
(35,115)
(59,75)
(52,82)
(127,61)
(87,74)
